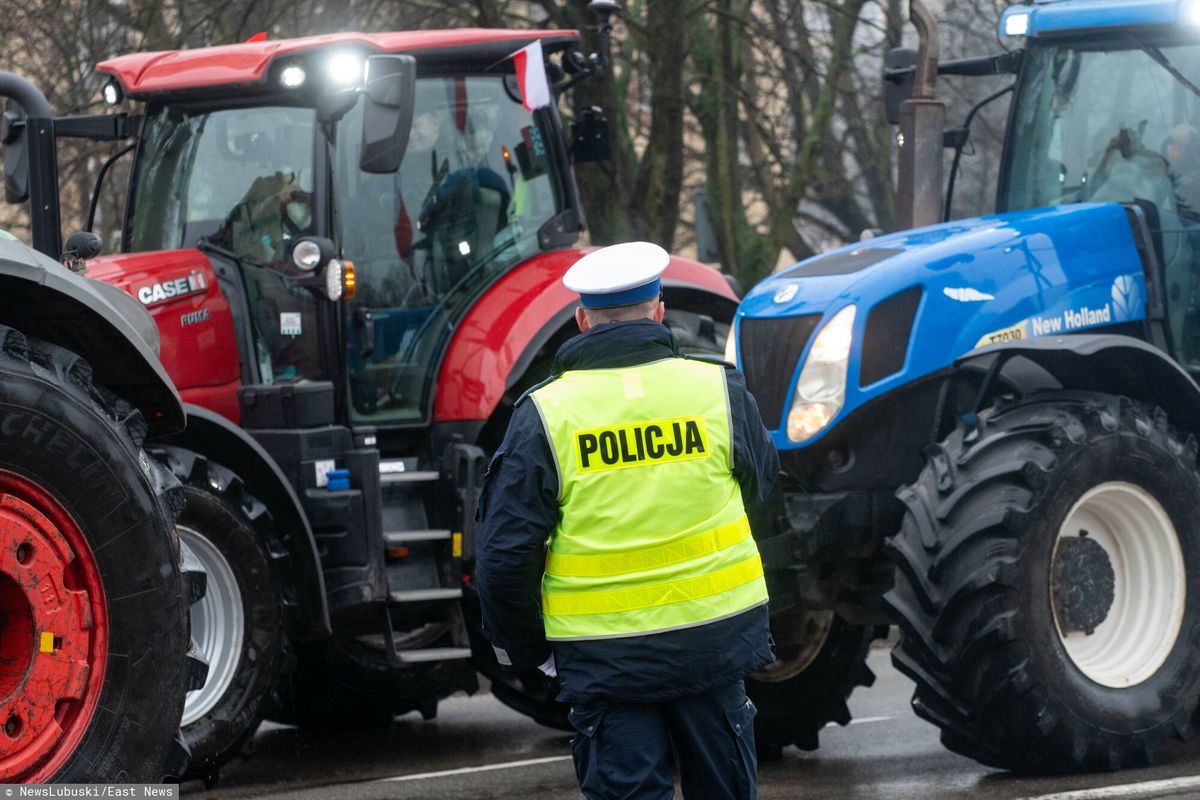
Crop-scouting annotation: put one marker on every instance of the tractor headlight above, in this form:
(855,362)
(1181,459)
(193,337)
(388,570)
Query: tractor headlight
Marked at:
(821,387)
(346,68)
(731,346)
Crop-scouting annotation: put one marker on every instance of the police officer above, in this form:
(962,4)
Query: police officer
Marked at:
(637,466)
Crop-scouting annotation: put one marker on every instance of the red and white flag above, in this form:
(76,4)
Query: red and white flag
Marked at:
(531,76)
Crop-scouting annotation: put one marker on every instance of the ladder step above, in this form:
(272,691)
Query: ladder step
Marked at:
(434,654)
(424,595)
(401,538)
(415,476)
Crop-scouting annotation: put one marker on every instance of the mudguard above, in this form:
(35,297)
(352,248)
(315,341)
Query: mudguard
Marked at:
(215,437)
(42,298)
(518,314)
(1105,363)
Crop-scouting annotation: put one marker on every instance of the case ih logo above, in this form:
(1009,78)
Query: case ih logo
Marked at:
(160,292)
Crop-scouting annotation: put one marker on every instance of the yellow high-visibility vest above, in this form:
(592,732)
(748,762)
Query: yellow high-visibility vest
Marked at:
(652,534)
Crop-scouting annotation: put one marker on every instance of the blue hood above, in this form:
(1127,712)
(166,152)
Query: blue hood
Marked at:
(982,281)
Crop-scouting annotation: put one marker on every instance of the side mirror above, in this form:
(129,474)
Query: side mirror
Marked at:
(388,112)
(16,153)
(899,80)
(590,137)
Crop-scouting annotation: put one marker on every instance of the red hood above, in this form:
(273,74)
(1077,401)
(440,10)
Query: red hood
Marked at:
(491,339)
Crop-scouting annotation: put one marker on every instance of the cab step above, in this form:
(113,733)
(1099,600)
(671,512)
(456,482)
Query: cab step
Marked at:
(404,470)
(424,595)
(433,654)
(416,476)
(401,538)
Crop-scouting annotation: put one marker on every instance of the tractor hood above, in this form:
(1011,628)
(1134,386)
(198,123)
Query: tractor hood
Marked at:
(925,297)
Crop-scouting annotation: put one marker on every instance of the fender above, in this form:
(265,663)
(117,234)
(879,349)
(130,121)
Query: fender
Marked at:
(518,314)
(217,438)
(42,298)
(195,323)
(1106,363)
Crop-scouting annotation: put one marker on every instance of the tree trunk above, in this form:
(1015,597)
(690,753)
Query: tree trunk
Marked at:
(655,202)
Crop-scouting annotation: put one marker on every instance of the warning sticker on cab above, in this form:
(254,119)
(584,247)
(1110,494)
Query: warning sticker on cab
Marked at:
(1013,334)
(640,444)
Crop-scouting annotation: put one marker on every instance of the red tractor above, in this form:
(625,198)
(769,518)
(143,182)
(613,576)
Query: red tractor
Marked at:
(352,245)
(94,595)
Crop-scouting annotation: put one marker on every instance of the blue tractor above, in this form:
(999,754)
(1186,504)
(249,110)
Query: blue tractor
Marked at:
(989,426)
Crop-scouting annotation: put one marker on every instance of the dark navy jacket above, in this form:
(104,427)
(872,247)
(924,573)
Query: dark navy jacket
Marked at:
(518,510)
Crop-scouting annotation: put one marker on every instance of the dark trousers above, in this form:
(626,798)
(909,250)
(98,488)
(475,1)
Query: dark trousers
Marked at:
(625,751)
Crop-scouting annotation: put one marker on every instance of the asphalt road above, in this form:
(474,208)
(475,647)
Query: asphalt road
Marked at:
(478,749)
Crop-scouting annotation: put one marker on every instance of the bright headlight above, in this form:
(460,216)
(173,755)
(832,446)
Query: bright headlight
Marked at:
(1016,25)
(731,346)
(345,69)
(821,387)
(1189,12)
(292,77)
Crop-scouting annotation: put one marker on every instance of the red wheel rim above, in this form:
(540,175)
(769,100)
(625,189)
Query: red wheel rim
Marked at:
(53,632)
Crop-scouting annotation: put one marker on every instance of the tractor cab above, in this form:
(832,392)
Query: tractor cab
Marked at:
(1114,117)
(483,185)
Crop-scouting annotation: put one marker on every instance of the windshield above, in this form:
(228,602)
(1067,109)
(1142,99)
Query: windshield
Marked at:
(1119,124)
(1109,124)
(475,186)
(242,179)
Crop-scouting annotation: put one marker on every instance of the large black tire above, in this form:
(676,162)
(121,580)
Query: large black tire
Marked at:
(74,453)
(528,693)
(980,587)
(232,535)
(807,687)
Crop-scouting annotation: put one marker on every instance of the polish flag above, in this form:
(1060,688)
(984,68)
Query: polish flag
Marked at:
(531,76)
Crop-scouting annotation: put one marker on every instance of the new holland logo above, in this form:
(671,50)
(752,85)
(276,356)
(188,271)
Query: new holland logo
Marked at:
(167,290)
(1127,300)
(786,292)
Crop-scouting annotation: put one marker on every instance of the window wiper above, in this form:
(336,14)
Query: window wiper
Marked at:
(1161,59)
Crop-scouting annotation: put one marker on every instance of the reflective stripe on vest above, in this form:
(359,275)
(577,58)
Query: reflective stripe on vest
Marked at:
(652,535)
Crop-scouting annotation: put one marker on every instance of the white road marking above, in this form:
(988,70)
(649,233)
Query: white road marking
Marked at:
(422,776)
(1126,790)
(530,762)
(859,721)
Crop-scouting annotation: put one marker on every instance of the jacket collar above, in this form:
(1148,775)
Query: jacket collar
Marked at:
(616,344)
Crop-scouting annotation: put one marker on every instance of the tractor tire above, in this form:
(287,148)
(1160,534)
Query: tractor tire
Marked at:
(94,658)
(237,627)
(529,693)
(1048,584)
(821,660)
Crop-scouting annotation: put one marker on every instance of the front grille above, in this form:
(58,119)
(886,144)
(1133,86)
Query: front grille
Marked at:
(770,349)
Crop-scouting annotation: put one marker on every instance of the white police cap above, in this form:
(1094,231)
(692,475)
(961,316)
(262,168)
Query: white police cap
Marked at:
(618,275)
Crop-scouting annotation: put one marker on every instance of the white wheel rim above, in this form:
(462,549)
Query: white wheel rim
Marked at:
(799,638)
(218,622)
(1149,585)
